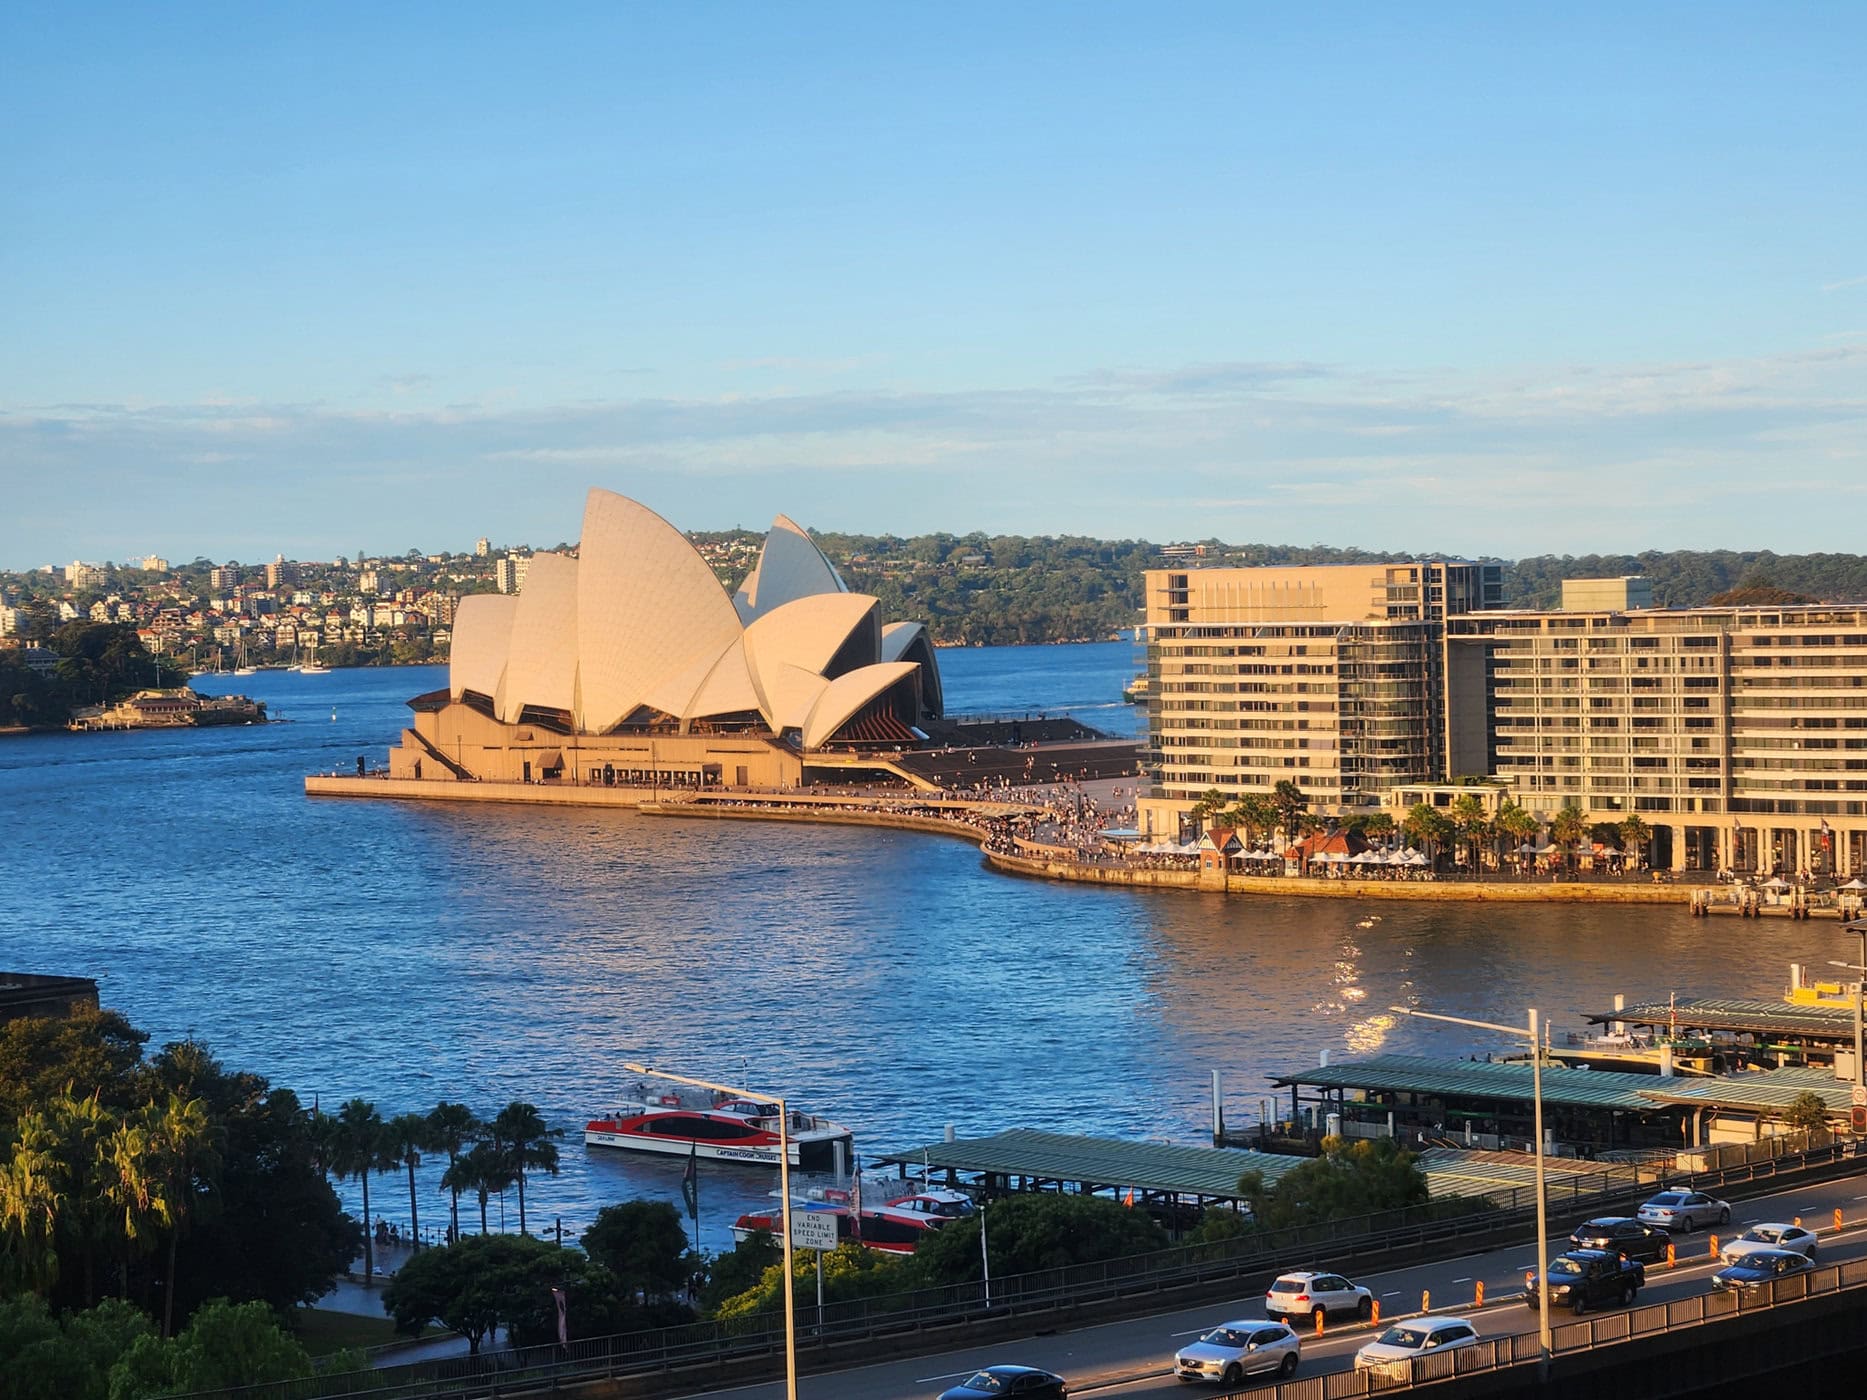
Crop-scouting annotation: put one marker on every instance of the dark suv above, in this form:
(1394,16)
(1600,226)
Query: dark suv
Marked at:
(1622,1234)
(1587,1278)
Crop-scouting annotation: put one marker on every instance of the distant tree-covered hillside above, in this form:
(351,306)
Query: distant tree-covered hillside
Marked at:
(1006,589)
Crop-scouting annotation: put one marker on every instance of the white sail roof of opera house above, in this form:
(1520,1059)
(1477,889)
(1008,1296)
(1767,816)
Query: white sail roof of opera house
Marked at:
(790,566)
(638,628)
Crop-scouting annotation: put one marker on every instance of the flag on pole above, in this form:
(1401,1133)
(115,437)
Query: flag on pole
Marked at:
(563,1311)
(1128,1200)
(1828,835)
(690,1184)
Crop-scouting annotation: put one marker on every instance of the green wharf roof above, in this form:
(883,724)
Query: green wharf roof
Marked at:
(1822,1021)
(1062,1157)
(1505,1081)
(1772,1090)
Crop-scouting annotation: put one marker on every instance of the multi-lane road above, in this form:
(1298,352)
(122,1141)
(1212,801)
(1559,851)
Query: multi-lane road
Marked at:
(1131,1359)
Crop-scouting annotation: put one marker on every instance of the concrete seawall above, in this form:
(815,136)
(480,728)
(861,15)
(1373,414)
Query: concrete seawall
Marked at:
(857,811)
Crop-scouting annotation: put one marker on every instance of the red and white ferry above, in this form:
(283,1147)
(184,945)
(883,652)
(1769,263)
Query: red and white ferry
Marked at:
(680,1122)
(895,1216)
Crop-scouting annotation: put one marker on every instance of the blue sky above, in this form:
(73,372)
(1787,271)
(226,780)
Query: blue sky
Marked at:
(1482,279)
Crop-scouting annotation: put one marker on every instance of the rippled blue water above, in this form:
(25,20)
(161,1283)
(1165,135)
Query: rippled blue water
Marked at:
(408,953)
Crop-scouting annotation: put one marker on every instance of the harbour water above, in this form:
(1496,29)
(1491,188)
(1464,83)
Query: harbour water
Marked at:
(408,953)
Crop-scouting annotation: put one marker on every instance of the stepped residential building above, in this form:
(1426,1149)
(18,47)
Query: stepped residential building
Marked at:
(632,664)
(1333,677)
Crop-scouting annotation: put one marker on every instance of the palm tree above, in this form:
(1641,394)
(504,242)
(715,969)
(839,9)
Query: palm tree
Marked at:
(482,1169)
(1513,824)
(1256,815)
(1468,817)
(133,1185)
(451,1127)
(182,1140)
(521,1133)
(83,1128)
(1378,827)
(403,1137)
(1203,810)
(359,1151)
(1426,825)
(1636,833)
(33,1198)
(1289,801)
(1569,826)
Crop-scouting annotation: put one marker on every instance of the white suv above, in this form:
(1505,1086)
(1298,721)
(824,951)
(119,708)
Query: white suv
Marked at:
(1395,1351)
(1307,1294)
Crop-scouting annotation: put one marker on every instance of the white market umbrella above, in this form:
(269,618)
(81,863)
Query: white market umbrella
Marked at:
(1776,882)
(1854,884)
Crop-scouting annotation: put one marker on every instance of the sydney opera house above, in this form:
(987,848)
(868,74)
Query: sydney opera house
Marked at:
(632,665)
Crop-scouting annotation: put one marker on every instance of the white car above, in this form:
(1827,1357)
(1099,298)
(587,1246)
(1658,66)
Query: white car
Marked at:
(1394,1352)
(1771,1236)
(1684,1211)
(1308,1293)
(1234,1350)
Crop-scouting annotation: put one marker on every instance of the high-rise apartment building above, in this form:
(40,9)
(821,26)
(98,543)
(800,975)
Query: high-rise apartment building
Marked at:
(509,572)
(1738,735)
(223,577)
(1330,676)
(482,547)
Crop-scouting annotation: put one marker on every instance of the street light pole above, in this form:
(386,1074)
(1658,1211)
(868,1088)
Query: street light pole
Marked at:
(784,1208)
(1544,1336)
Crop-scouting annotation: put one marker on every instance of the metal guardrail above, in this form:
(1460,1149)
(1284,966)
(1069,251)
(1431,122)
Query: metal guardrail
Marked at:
(857,1320)
(1520,1348)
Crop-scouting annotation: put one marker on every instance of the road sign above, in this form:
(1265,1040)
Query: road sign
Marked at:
(1860,1096)
(813,1229)
(1859,1123)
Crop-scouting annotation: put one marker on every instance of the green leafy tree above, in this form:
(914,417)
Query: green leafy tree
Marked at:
(473,1285)
(739,1268)
(94,1052)
(225,1346)
(850,1272)
(1026,1233)
(642,1243)
(1349,1179)
(1807,1112)
(64,1358)
(521,1135)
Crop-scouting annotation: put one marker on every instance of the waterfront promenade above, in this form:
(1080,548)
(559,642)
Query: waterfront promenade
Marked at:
(1034,833)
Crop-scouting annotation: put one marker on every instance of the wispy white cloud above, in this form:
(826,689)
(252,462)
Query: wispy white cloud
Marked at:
(1860,281)
(1518,460)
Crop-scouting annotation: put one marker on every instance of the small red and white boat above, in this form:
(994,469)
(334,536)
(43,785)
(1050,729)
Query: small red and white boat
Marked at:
(682,1122)
(895,1216)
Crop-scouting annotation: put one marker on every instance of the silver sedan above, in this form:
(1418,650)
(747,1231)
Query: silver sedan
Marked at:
(1234,1350)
